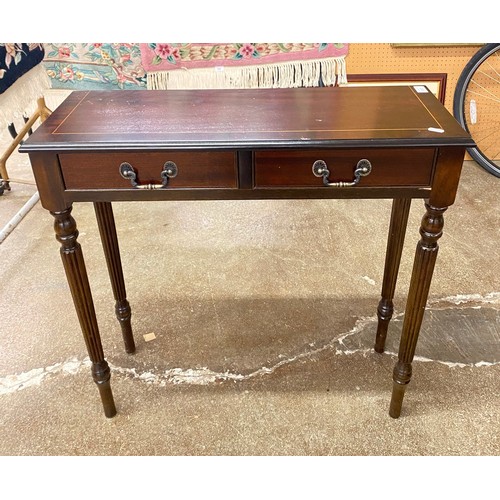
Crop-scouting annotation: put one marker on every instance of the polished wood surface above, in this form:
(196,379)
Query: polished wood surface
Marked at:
(395,241)
(107,230)
(249,144)
(390,167)
(263,118)
(196,169)
(76,273)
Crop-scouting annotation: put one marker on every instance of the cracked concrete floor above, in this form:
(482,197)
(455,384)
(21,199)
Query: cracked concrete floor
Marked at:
(264,320)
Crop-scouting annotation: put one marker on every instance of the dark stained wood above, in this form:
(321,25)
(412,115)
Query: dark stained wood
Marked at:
(444,188)
(196,169)
(255,118)
(245,170)
(107,230)
(395,242)
(423,267)
(276,193)
(76,273)
(49,181)
(242,145)
(446,177)
(390,167)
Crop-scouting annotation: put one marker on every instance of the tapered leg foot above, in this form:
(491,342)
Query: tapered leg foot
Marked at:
(101,375)
(398,392)
(401,379)
(124,315)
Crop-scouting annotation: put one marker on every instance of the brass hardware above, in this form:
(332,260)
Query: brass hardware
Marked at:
(169,171)
(320,169)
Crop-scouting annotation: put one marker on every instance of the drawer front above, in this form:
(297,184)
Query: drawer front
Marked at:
(390,167)
(194,169)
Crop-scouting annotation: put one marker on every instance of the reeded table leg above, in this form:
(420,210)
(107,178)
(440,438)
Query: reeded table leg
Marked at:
(423,267)
(76,273)
(395,241)
(107,229)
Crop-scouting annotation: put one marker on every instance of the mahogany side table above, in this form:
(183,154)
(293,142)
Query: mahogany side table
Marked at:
(351,142)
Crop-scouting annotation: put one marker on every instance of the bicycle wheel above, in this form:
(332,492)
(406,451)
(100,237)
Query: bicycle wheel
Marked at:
(476,105)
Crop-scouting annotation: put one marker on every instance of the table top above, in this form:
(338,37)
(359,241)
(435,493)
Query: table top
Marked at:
(253,118)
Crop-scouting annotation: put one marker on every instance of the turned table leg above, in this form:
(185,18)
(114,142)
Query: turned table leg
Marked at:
(423,267)
(395,241)
(107,230)
(76,273)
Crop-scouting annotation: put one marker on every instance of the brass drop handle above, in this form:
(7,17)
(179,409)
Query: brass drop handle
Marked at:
(169,171)
(320,169)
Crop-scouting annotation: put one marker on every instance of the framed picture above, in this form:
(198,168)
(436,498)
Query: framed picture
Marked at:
(435,82)
(435,44)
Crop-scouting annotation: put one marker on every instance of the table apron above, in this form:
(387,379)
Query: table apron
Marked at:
(245,194)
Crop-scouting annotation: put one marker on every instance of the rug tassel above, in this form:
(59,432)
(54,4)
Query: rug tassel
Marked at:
(20,98)
(331,71)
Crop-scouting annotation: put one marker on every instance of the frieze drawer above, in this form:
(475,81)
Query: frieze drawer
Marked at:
(342,168)
(149,170)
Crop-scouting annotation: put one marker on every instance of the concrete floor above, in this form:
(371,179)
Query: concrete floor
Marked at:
(264,318)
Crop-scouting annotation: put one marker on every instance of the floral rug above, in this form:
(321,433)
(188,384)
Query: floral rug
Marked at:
(110,66)
(94,66)
(188,65)
(22,79)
